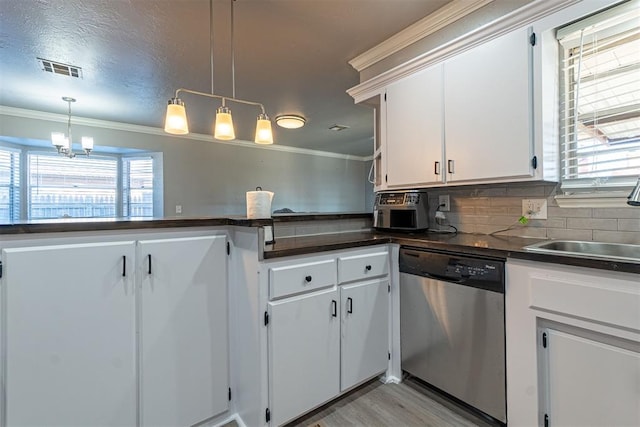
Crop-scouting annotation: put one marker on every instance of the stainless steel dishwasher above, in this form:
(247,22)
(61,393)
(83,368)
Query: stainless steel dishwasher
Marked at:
(452,326)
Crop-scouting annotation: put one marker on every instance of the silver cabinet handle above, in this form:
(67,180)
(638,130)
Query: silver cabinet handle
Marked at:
(436,168)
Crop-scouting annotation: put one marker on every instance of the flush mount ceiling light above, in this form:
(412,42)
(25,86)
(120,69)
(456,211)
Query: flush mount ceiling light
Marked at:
(176,119)
(64,143)
(290,121)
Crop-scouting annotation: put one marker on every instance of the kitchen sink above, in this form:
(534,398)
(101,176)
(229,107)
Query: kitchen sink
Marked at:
(609,251)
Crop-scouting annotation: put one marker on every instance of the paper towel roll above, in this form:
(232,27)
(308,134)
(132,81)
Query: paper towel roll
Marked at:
(259,204)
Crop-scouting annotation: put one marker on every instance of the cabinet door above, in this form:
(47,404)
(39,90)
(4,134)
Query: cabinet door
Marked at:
(591,383)
(183,337)
(414,129)
(487,110)
(69,325)
(304,353)
(364,347)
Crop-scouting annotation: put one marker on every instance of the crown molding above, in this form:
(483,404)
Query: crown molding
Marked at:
(525,15)
(127,127)
(428,25)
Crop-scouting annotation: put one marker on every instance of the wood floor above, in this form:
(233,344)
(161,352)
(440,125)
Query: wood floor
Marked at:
(375,404)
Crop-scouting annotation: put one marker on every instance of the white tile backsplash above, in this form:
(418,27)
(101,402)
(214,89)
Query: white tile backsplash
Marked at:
(489,208)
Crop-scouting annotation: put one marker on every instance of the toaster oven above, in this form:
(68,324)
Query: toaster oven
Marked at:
(406,210)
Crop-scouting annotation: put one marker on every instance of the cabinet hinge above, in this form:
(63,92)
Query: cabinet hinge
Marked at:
(544,339)
(267,415)
(228,248)
(389,355)
(266,318)
(229,393)
(534,162)
(546,420)
(532,39)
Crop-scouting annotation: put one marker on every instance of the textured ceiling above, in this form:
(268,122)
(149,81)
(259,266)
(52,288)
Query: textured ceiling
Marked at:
(290,55)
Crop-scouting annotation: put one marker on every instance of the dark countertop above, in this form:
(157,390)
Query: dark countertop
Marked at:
(96,224)
(501,247)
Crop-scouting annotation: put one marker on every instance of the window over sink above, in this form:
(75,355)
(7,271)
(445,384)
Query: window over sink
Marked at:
(600,102)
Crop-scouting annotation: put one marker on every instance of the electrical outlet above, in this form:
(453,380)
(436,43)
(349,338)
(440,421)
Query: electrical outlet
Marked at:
(444,203)
(178,209)
(534,208)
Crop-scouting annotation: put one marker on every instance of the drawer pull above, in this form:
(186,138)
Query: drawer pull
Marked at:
(349,305)
(334,308)
(308,279)
(368,268)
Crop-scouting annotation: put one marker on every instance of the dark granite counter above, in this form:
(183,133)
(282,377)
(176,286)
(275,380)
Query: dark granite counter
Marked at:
(98,224)
(501,247)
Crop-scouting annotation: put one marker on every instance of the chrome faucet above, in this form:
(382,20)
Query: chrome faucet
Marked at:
(634,197)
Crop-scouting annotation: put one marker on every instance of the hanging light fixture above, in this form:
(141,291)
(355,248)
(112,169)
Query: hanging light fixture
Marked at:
(64,143)
(176,118)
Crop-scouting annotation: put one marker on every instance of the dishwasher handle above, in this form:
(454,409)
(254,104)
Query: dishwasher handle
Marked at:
(461,280)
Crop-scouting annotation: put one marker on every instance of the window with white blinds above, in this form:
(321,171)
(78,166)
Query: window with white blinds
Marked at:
(9,185)
(79,188)
(600,100)
(137,186)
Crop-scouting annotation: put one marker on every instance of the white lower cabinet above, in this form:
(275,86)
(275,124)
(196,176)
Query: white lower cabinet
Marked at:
(304,353)
(573,345)
(322,342)
(364,350)
(183,330)
(88,328)
(590,382)
(69,328)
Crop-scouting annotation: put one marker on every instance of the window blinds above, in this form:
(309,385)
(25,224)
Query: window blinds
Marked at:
(600,99)
(137,186)
(9,185)
(79,187)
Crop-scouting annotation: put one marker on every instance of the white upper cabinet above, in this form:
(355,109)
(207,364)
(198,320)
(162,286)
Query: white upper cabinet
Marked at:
(468,119)
(414,130)
(70,335)
(487,110)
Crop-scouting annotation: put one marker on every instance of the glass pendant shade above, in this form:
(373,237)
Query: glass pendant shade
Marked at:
(58,139)
(87,143)
(176,119)
(224,125)
(263,130)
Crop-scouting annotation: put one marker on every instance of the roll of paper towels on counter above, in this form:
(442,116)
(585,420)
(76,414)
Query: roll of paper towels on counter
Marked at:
(259,204)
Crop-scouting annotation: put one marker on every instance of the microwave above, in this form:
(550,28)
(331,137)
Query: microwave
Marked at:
(401,210)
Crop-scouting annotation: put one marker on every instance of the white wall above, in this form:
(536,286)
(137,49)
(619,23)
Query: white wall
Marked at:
(210,179)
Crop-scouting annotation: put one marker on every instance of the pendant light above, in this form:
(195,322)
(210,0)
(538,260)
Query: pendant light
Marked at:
(64,143)
(176,118)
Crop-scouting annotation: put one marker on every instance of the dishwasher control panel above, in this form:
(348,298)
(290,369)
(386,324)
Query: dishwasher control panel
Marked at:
(455,268)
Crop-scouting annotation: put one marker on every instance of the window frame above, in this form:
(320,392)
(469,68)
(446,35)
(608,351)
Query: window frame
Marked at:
(24,196)
(586,192)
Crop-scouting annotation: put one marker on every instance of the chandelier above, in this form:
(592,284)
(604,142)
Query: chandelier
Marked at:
(64,143)
(176,118)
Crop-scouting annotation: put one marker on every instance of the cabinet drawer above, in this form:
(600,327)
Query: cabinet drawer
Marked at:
(298,278)
(360,267)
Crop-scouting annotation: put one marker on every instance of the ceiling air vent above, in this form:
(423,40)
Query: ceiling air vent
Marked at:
(60,68)
(338,128)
